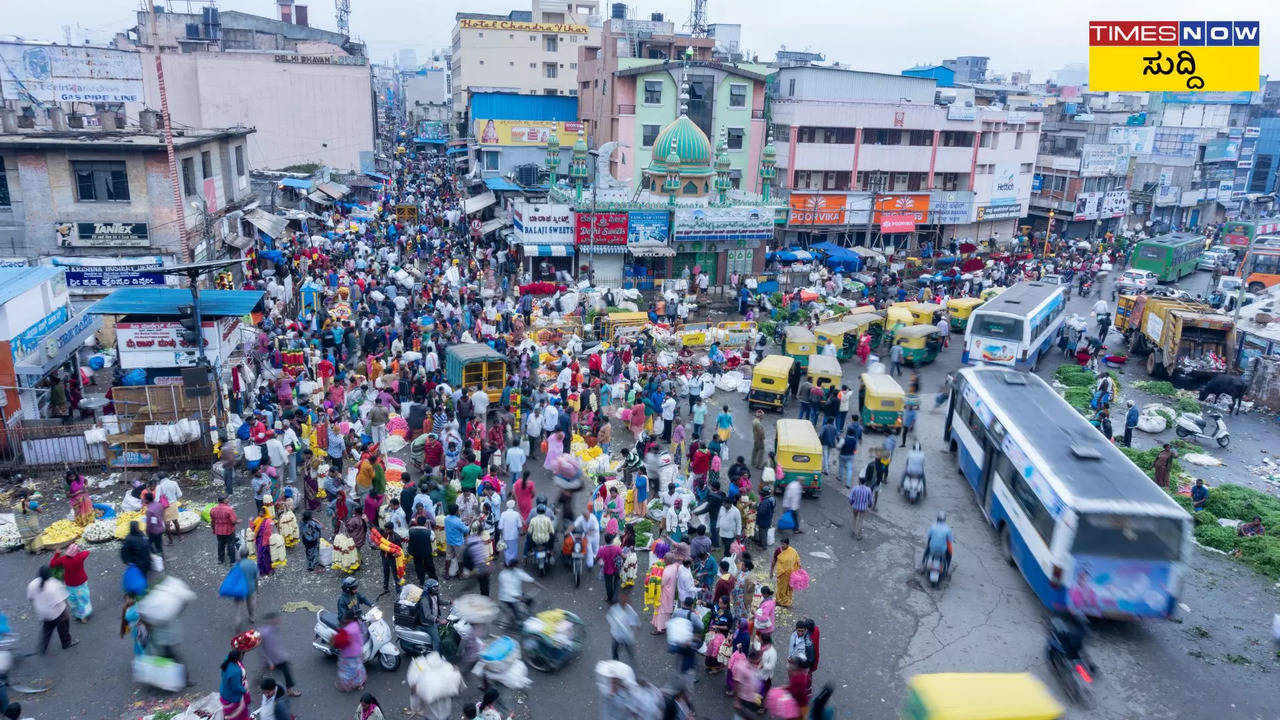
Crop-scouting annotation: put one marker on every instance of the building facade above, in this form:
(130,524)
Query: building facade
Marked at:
(871,158)
(426,95)
(306,91)
(530,52)
(102,204)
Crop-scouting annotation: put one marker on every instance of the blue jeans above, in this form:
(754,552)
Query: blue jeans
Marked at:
(805,409)
(844,470)
(840,417)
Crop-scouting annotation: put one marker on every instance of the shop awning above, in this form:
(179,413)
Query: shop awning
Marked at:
(296,183)
(651,250)
(58,346)
(791,255)
(589,250)
(239,242)
(501,183)
(494,224)
(320,198)
(867,252)
(272,225)
(455,151)
(478,203)
(548,250)
(377,175)
(166,301)
(337,191)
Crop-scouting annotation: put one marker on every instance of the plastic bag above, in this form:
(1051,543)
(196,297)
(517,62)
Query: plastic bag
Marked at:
(799,579)
(134,581)
(159,672)
(679,632)
(326,553)
(787,521)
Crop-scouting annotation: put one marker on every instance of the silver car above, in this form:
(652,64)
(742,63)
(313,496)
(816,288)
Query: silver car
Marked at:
(1210,259)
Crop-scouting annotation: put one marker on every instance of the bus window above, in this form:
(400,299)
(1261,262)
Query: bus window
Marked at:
(997,326)
(1130,537)
(1152,252)
(1264,263)
(1035,510)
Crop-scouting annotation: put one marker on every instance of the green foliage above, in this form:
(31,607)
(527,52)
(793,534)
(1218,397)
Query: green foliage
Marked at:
(644,533)
(1163,388)
(1204,517)
(1078,398)
(1242,503)
(1072,375)
(304,168)
(767,327)
(1187,404)
(1260,552)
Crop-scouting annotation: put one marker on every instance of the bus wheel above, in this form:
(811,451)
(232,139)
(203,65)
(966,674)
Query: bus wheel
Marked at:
(1035,364)
(952,446)
(1006,542)
(1256,288)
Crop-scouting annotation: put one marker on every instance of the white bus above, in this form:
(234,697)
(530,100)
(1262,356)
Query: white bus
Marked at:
(1016,327)
(1089,531)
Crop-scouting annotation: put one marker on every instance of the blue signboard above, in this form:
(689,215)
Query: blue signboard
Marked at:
(27,340)
(647,227)
(1037,182)
(109,277)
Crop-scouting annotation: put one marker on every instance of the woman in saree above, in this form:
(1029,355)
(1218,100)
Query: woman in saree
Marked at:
(233,691)
(263,528)
(78,497)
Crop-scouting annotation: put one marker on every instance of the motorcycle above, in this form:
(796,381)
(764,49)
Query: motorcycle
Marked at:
(541,558)
(1201,428)
(1066,654)
(912,487)
(378,641)
(937,569)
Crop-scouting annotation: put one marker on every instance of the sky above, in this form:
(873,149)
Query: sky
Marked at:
(864,35)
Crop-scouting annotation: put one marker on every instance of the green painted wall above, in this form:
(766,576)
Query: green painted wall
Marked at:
(660,115)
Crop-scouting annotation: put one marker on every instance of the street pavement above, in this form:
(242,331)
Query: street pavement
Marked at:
(880,623)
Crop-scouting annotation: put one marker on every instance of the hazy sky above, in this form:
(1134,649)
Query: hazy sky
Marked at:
(864,34)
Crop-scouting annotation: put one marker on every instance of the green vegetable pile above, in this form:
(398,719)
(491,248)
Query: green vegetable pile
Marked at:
(1072,375)
(1163,388)
(1079,382)
(644,533)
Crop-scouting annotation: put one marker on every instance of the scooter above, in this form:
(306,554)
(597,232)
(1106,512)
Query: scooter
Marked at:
(912,487)
(1202,428)
(379,640)
(1067,658)
(936,569)
(542,558)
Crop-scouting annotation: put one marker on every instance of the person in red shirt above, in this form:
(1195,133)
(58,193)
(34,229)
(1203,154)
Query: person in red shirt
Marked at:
(800,685)
(77,581)
(223,520)
(610,558)
(432,453)
(325,370)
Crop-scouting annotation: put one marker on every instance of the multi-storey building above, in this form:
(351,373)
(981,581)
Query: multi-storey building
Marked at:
(532,52)
(872,157)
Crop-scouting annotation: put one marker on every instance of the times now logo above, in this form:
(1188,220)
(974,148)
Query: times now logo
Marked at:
(1182,33)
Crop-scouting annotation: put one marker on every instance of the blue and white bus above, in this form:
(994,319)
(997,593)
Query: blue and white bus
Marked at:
(1088,530)
(1016,327)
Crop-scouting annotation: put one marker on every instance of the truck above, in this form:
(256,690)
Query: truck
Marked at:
(1178,337)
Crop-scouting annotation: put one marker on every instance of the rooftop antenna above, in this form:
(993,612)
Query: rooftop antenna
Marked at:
(698,19)
(343,9)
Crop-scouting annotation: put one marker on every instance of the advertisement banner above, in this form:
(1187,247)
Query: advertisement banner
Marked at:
(89,234)
(950,207)
(723,224)
(648,227)
(89,274)
(987,213)
(1037,183)
(1087,205)
(917,206)
(1115,203)
(1166,176)
(543,224)
(27,340)
(1004,184)
(1138,140)
(1224,191)
(1173,56)
(58,73)
(1215,98)
(610,228)
(1219,149)
(1097,160)
(1167,195)
(160,344)
(524,132)
(816,209)
(897,223)
(1190,198)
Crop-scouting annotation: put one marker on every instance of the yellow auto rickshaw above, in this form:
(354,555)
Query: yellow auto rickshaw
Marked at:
(609,324)
(865,322)
(825,371)
(920,344)
(799,454)
(769,382)
(979,696)
(838,333)
(960,309)
(799,344)
(989,293)
(882,400)
(925,313)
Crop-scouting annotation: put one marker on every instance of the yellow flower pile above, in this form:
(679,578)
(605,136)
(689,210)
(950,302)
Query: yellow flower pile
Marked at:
(123,520)
(60,532)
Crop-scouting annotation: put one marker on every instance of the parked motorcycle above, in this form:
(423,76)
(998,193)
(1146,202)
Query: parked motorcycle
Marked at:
(1067,657)
(378,641)
(1203,428)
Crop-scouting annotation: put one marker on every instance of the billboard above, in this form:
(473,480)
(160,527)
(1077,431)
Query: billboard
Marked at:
(1220,149)
(1004,184)
(1138,140)
(1098,160)
(950,207)
(1087,204)
(917,206)
(518,26)
(897,223)
(1167,195)
(610,228)
(92,234)
(1216,98)
(524,132)
(1114,204)
(90,274)
(816,209)
(63,73)
(647,227)
(713,224)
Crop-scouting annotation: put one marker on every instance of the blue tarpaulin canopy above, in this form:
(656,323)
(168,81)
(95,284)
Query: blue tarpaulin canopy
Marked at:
(430,141)
(296,183)
(791,255)
(455,151)
(839,258)
(377,176)
(166,301)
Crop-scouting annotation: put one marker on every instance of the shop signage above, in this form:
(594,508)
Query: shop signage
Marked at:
(91,234)
(917,206)
(951,207)
(648,227)
(1004,184)
(897,223)
(524,132)
(321,59)
(87,276)
(27,340)
(543,223)
(1087,204)
(987,213)
(479,24)
(1098,160)
(610,228)
(723,224)
(71,333)
(1115,203)
(118,458)
(1037,183)
(817,209)
(1167,195)
(160,344)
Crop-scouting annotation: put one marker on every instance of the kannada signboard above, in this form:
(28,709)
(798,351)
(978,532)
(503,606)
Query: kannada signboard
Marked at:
(524,132)
(1173,56)
(91,274)
(545,224)
(518,26)
(816,209)
(951,207)
(610,228)
(25,341)
(66,73)
(987,213)
(648,227)
(723,224)
(160,344)
(1087,204)
(1098,160)
(1114,204)
(91,234)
